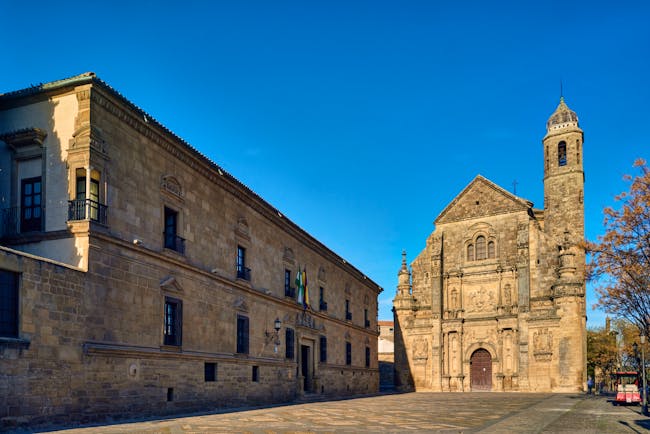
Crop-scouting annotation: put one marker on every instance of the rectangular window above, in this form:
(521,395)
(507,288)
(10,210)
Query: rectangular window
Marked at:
(86,204)
(210,371)
(290,344)
(171,239)
(288,290)
(30,205)
(173,321)
(256,373)
(367,357)
(348,314)
(94,199)
(242,334)
(323,349)
(348,353)
(242,271)
(8,304)
(81,188)
(366,320)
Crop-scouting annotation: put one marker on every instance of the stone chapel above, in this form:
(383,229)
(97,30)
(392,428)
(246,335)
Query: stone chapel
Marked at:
(496,300)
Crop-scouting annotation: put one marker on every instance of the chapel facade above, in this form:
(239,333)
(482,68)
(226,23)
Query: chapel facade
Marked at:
(496,300)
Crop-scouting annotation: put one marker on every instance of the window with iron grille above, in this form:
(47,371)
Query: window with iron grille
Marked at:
(348,353)
(242,334)
(242,271)
(348,314)
(171,239)
(367,357)
(173,321)
(323,349)
(322,304)
(288,290)
(290,344)
(8,304)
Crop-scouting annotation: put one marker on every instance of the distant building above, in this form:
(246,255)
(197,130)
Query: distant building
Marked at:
(137,277)
(386,353)
(496,300)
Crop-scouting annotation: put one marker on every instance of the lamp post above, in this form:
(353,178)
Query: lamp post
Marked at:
(644,407)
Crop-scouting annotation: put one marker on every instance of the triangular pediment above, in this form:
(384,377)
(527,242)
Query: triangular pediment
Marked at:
(482,198)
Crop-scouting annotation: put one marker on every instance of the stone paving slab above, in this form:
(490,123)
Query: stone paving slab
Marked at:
(412,412)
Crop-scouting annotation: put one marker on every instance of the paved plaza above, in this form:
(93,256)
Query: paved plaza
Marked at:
(411,412)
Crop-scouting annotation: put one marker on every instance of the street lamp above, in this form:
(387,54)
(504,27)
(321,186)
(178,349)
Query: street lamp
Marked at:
(645,399)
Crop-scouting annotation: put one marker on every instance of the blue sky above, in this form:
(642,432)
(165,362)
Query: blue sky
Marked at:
(362,120)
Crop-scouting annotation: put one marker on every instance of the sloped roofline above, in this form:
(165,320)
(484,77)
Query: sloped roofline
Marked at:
(524,203)
(54,87)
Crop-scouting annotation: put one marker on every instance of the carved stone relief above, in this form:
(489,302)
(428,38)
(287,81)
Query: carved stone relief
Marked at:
(171,185)
(480,300)
(507,294)
(420,348)
(543,344)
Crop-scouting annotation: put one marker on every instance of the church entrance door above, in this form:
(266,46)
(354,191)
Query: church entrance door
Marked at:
(481,370)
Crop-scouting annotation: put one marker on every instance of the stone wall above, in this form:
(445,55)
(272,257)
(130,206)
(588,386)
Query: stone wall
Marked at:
(91,341)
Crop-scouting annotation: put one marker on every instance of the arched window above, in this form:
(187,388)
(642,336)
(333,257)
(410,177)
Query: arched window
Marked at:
(491,252)
(480,248)
(470,252)
(561,153)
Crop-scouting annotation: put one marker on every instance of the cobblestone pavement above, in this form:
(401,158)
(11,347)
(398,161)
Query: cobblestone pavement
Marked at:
(411,412)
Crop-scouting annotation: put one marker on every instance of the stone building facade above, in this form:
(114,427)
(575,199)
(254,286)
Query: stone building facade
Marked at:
(137,277)
(496,300)
(386,354)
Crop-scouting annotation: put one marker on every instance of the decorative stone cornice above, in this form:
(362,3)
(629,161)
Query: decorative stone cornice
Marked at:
(103,95)
(24,137)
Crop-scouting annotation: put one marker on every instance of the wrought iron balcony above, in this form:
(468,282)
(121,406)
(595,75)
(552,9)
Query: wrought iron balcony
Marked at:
(16,220)
(9,222)
(367,323)
(243,273)
(174,242)
(289,292)
(87,209)
(323,306)
(348,316)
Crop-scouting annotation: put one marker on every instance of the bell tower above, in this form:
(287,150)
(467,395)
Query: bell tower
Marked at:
(564,226)
(564,178)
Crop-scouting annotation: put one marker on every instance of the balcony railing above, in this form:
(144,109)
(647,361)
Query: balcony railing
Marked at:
(243,273)
(323,306)
(87,209)
(16,220)
(348,316)
(367,323)
(289,292)
(174,242)
(9,222)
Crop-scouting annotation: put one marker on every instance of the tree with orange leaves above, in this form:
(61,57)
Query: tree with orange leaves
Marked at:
(620,260)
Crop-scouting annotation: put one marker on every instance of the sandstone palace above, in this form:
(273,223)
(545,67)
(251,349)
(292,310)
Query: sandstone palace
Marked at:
(496,300)
(137,277)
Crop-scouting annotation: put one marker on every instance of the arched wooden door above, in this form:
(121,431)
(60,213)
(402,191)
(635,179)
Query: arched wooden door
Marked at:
(481,370)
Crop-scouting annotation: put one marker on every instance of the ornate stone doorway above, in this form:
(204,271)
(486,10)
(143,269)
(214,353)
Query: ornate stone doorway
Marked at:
(481,370)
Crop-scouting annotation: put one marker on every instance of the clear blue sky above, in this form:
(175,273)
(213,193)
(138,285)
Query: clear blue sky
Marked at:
(361,120)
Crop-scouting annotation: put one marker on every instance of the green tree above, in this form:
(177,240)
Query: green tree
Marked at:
(620,260)
(602,352)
